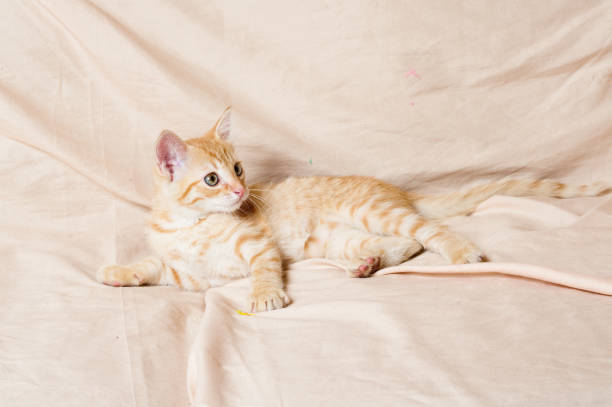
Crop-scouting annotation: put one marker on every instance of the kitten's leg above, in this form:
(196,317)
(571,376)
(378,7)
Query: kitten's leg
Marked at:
(150,271)
(175,274)
(369,253)
(394,218)
(264,260)
(362,253)
(144,272)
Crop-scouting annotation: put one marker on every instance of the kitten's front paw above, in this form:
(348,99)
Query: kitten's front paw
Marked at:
(120,276)
(267,299)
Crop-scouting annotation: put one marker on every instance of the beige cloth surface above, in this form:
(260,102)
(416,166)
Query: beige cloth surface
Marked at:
(402,339)
(431,96)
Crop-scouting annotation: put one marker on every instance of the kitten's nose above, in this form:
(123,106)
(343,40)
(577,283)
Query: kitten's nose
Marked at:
(239,192)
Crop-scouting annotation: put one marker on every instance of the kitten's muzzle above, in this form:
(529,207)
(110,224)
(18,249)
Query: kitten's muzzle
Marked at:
(239,192)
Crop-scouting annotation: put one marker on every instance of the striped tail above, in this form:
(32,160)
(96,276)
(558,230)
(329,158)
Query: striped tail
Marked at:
(464,202)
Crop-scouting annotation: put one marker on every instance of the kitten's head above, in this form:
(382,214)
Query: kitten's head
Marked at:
(201,175)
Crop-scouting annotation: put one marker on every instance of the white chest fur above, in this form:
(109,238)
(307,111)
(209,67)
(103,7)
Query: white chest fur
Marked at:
(205,250)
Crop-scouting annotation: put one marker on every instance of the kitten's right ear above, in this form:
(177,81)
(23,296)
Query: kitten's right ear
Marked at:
(171,153)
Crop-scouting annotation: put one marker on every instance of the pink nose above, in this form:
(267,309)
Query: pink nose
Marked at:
(239,192)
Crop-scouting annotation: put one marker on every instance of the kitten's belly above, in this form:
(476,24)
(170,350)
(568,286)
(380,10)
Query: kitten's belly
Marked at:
(292,249)
(291,237)
(308,237)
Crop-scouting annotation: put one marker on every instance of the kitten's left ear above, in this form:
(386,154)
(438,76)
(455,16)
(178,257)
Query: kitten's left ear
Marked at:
(224,124)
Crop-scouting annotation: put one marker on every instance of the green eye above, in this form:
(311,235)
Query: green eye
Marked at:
(211,179)
(238,169)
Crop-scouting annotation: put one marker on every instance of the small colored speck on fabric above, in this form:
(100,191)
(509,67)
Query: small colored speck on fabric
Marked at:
(243,313)
(412,72)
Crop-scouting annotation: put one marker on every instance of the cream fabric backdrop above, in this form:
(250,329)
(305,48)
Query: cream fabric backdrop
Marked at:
(430,95)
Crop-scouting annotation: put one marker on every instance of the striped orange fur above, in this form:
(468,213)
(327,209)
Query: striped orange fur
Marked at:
(208,227)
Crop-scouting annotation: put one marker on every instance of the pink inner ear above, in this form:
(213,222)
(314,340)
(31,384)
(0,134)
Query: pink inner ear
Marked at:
(171,152)
(224,125)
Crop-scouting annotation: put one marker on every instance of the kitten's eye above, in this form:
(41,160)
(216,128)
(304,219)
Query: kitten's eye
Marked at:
(211,179)
(238,169)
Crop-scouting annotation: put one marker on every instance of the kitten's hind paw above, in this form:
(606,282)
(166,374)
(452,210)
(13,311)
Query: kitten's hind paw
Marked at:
(365,267)
(470,255)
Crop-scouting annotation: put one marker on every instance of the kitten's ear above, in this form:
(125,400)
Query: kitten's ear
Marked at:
(171,153)
(224,124)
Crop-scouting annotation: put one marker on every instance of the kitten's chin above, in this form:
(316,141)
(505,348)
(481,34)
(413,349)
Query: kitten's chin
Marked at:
(234,207)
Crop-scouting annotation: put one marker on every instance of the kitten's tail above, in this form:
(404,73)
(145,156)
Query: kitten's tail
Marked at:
(464,202)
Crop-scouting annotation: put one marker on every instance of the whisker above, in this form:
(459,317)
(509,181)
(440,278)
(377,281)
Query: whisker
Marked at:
(259,198)
(261,201)
(260,190)
(257,207)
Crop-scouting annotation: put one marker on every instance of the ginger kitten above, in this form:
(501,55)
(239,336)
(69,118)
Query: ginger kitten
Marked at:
(208,227)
